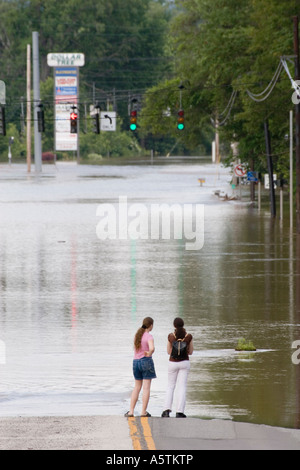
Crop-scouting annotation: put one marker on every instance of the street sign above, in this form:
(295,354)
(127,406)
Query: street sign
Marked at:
(108,121)
(252,176)
(267,181)
(240,171)
(2,92)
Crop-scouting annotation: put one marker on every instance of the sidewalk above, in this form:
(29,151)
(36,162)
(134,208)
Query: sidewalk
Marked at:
(120,434)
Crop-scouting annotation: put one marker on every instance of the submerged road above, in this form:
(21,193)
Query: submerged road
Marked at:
(116,433)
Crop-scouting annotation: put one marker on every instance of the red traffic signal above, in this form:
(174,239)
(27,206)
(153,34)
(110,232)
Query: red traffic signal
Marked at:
(73,118)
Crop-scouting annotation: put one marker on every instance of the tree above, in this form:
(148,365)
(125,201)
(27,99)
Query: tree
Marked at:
(221,50)
(123,42)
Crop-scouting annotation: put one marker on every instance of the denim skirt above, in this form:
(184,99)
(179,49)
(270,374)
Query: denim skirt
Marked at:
(144,368)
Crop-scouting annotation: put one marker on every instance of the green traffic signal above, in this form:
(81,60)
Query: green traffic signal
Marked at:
(180,120)
(133,120)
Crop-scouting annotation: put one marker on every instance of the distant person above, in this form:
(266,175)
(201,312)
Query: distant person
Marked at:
(143,366)
(179,347)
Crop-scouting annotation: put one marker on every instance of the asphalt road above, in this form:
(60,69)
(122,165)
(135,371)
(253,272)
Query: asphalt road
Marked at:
(116,433)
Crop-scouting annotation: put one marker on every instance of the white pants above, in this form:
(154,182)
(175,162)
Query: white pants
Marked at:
(177,375)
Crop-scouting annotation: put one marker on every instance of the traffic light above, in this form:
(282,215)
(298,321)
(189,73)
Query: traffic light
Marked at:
(96,123)
(2,121)
(73,119)
(133,121)
(40,118)
(180,120)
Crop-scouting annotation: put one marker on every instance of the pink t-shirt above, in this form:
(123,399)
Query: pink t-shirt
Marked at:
(144,346)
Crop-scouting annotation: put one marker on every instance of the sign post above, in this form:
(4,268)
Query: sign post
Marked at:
(66,96)
(240,172)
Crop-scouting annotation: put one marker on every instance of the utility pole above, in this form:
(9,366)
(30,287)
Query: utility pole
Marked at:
(291,169)
(28,128)
(36,99)
(270,169)
(297,77)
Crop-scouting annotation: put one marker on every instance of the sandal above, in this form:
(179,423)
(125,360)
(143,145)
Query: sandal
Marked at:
(147,415)
(128,415)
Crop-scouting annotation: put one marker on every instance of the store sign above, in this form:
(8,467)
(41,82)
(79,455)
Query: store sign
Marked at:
(66,97)
(56,59)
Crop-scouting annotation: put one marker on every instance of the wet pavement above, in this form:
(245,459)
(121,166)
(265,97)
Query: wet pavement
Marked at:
(112,433)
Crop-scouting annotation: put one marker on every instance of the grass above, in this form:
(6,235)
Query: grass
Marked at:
(244,345)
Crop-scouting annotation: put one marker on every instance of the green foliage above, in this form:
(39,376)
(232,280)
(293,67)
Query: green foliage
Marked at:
(18,148)
(244,345)
(145,49)
(108,144)
(223,45)
(124,43)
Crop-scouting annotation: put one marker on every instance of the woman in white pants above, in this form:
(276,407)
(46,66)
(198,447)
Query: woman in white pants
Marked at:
(179,347)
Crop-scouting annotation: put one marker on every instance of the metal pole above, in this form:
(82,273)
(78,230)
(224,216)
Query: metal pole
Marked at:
(28,129)
(78,118)
(9,153)
(36,99)
(291,172)
(281,203)
(270,169)
(297,77)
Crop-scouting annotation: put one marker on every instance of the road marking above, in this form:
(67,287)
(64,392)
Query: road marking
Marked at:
(134,434)
(148,434)
(141,434)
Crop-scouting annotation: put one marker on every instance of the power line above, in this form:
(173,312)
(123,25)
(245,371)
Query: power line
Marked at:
(267,91)
(229,108)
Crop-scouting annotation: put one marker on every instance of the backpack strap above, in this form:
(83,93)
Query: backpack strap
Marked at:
(181,339)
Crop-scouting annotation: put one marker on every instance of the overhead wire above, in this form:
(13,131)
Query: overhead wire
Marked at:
(229,108)
(267,91)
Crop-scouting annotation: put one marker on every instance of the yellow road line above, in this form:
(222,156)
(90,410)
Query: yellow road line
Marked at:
(141,434)
(134,434)
(148,434)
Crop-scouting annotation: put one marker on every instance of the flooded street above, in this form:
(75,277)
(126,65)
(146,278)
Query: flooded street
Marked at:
(70,303)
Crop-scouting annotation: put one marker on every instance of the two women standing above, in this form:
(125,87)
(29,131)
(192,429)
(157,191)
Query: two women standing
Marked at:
(179,348)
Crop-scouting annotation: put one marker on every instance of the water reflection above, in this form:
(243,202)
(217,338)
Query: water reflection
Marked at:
(70,303)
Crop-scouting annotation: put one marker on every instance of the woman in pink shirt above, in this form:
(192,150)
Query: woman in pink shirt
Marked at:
(143,366)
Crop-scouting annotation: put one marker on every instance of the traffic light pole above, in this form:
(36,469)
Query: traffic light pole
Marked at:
(36,100)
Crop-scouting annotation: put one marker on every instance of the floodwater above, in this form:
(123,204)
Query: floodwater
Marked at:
(70,302)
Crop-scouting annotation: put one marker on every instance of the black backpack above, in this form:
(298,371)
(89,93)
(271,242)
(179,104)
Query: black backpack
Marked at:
(179,349)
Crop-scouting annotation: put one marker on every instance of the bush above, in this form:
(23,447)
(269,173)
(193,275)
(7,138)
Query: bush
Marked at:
(244,345)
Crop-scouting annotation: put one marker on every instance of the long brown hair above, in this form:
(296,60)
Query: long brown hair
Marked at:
(180,331)
(147,322)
